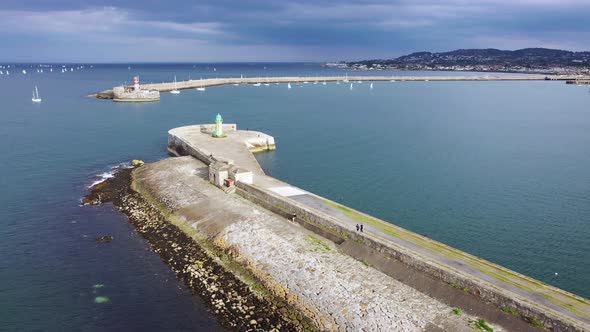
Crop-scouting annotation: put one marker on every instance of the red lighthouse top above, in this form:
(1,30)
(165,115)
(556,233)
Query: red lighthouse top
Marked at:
(136,80)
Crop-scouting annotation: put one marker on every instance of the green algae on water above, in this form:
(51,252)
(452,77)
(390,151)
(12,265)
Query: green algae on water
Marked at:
(101,299)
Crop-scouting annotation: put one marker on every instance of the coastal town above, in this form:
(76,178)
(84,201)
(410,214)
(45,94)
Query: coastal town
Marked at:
(525,61)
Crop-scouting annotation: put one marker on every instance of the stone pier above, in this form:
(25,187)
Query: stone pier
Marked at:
(305,247)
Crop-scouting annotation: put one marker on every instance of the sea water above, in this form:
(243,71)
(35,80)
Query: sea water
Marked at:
(500,170)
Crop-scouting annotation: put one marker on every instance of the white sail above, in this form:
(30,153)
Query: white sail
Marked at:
(350,86)
(36,98)
(288,85)
(175,91)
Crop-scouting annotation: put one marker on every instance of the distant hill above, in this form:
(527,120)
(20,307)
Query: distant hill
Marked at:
(524,60)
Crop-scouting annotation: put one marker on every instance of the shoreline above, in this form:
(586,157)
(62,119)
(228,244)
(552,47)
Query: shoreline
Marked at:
(198,266)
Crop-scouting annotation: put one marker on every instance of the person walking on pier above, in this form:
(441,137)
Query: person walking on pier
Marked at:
(357,227)
(361,228)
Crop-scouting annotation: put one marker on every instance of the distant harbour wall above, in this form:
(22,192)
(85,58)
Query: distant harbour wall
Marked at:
(210,82)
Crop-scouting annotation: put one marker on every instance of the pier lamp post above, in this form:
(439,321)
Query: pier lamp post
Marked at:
(218,126)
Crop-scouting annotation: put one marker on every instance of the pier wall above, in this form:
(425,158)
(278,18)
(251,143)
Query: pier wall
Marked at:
(379,254)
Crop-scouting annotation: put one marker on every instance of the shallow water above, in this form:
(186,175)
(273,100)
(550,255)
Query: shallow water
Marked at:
(498,169)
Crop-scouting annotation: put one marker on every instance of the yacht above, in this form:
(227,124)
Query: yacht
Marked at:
(175,91)
(36,98)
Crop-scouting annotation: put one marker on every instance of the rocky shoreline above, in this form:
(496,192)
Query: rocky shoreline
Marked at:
(234,302)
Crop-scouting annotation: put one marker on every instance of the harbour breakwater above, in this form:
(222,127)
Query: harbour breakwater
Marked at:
(304,250)
(211,82)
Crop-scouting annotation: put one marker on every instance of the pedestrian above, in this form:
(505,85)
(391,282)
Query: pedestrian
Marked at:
(357,227)
(293,217)
(361,228)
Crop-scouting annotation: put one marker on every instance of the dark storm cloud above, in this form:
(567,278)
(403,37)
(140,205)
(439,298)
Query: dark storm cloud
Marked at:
(225,30)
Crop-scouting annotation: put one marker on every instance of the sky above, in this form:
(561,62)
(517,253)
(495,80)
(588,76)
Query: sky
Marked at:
(280,30)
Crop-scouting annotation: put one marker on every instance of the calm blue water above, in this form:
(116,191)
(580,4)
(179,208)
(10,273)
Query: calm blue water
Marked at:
(498,169)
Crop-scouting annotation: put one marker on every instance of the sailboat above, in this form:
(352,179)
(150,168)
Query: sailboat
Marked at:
(346,78)
(324,83)
(24,72)
(175,91)
(201,88)
(288,85)
(371,86)
(350,86)
(36,98)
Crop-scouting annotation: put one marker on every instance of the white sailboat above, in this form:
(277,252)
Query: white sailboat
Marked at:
(24,72)
(288,85)
(324,83)
(36,98)
(175,91)
(346,78)
(371,86)
(350,86)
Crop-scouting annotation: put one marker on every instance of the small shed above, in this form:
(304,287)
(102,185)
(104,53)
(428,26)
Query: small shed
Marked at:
(218,172)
